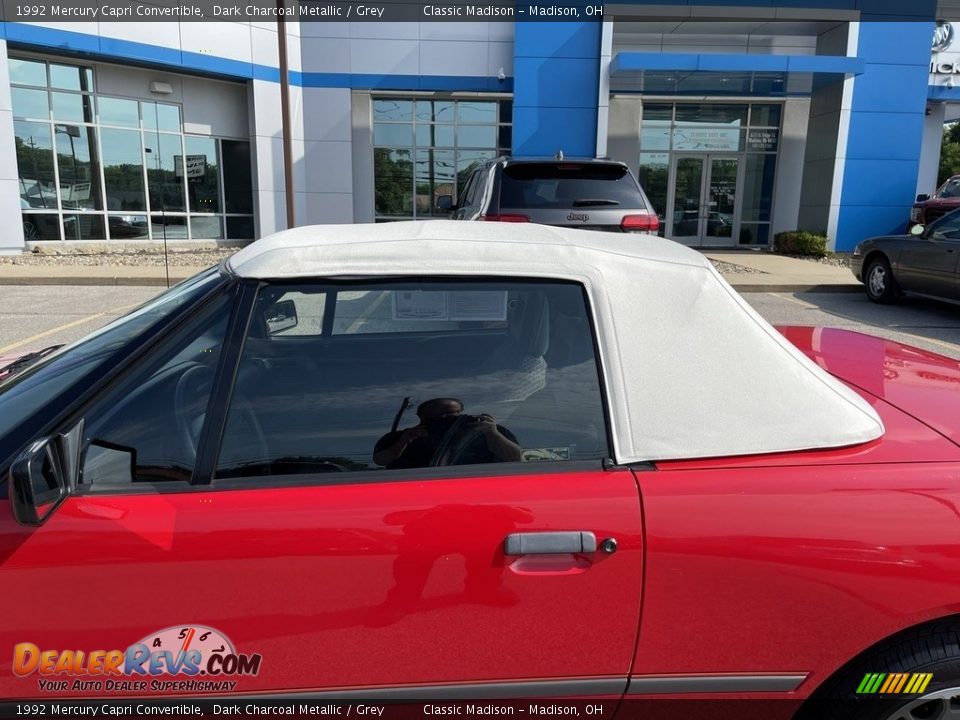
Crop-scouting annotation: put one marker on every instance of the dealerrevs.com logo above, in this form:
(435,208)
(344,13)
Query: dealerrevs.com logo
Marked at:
(187,658)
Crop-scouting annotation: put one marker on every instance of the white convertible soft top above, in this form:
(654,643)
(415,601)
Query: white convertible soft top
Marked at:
(691,370)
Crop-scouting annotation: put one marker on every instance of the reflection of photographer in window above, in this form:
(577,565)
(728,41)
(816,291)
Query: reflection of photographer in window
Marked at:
(445,436)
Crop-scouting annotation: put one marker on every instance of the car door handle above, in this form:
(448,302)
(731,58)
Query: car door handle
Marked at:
(550,543)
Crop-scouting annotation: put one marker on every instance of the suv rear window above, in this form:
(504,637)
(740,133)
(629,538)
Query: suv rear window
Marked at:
(568,185)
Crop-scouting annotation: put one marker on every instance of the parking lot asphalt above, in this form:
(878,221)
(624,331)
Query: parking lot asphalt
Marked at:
(33,317)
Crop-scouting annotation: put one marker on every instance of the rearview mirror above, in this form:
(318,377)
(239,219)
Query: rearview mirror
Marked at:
(917,230)
(39,480)
(445,202)
(921,198)
(282,316)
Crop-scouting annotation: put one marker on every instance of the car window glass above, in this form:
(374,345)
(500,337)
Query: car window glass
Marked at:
(27,392)
(950,189)
(413,375)
(464,199)
(479,185)
(568,185)
(146,427)
(946,229)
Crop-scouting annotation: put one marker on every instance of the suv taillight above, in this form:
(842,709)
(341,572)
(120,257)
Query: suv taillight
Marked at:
(505,218)
(640,223)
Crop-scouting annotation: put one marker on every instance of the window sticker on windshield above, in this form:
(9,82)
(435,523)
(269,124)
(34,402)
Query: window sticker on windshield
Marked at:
(464,305)
(478,305)
(418,305)
(547,454)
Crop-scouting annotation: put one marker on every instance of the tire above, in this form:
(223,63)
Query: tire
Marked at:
(934,649)
(880,283)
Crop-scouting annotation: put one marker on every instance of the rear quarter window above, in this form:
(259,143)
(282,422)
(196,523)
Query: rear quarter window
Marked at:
(569,185)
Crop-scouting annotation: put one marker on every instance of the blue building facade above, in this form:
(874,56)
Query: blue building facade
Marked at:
(741,121)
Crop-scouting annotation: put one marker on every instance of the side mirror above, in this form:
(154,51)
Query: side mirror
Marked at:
(917,230)
(921,198)
(282,316)
(40,479)
(445,203)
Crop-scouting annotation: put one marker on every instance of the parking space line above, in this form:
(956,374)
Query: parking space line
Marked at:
(66,326)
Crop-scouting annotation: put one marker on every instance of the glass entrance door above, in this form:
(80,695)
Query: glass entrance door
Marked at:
(703,201)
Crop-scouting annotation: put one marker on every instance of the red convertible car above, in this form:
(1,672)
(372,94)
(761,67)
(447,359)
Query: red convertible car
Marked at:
(479,460)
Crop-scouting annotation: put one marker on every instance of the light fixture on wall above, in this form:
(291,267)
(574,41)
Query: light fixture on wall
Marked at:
(161,88)
(501,75)
(949,82)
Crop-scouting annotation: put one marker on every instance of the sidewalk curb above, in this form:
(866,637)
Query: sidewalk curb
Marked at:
(93,280)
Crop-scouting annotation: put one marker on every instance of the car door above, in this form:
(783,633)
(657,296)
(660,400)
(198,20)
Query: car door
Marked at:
(928,264)
(305,562)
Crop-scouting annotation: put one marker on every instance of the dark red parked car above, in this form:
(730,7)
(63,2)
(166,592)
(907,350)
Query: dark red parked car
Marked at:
(928,208)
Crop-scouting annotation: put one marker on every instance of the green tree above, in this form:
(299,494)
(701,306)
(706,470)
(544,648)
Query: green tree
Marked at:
(949,153)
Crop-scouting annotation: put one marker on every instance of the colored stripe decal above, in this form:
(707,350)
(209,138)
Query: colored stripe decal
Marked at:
(890,680)
(927,677)
(862,687)
(903,681)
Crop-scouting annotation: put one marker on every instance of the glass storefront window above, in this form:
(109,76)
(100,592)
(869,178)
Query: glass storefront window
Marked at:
(114,111)
(203,174)
(715,114)
(72,107)
(71,77)
(161,116)
(237,179)
(123,169)
(477,112)
(147,181)
(393,176)
(435,135)
(654,178)
(34,104)
(127,227)
(204,227)
(83,226)
(441,111)
(28,72)
(758,184)
(765,115)
(169,227)
(716,138)
(78,166)
(435,176)
(393,110)
(165,187)
(38,184)
(240,227)
(427,148)
(396,135)
(477,136)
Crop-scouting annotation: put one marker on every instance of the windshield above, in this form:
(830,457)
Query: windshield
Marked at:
(24,393)
(569,185)
(950,189)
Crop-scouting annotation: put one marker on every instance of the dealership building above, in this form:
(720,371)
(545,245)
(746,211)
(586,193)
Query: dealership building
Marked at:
(740,120)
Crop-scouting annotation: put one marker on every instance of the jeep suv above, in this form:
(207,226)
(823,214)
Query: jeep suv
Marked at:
(589,194)
(945,200)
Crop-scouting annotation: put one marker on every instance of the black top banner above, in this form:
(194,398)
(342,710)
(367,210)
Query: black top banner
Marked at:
(102,11)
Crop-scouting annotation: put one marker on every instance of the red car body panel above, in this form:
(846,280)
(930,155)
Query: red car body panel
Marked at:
(923,384)
(779,564)
(340,585)
(785,546)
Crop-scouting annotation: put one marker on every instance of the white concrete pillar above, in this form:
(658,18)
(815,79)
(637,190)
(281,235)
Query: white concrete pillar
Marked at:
(11,239)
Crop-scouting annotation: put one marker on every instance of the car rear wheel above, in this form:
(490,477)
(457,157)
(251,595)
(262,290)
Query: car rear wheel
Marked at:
(927,659)
(881,285)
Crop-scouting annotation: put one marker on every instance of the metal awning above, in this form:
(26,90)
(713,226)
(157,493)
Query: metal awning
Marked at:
(728,74)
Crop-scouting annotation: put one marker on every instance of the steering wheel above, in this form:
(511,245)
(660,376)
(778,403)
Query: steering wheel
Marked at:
(196,382)
(456,440)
